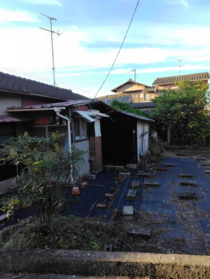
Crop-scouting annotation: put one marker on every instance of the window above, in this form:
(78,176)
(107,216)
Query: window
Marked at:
(80,129)
(149,96)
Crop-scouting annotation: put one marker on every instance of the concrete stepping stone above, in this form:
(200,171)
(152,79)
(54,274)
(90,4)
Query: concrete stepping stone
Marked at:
(99,205)
(143,174)
(187,196)
(124,174)
(131,195)
(144,231)
(162,169)
(169,165)
(207,171)
(184,175)
(151,183)
(205,165)
(187,183)
(135,185)
(200,159)
(91,176)
(128,212)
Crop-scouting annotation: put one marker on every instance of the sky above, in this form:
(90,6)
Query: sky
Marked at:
(92,31)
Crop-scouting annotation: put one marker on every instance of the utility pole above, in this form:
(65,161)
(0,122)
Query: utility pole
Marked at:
(134,70)
(180,65)
(57,33)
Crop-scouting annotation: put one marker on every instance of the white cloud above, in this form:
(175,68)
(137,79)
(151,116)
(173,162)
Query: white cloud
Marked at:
(43,2)
(74,27)
(8,15)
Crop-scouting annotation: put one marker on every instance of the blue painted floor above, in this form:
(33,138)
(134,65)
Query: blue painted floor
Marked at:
(161,200)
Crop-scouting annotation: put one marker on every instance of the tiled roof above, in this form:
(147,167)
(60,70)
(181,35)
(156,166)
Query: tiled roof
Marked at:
(123,98)
(150,89)
(144,105)
(171,80)
(15,84)
(129,81)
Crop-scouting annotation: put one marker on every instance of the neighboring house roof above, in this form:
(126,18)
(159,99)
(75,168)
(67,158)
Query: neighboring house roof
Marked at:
(171,80)
(144,105)
(129,81)
(15,84)
(123,98)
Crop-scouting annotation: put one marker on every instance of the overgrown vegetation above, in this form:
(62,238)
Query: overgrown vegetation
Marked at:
(45,169)
(185,111)
(127,108)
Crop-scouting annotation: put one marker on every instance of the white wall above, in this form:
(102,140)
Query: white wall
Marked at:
(84,145)
(9,100)
(142,141)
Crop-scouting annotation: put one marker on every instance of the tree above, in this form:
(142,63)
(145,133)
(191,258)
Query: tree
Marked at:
(127,107)
(185,111)
(43,173)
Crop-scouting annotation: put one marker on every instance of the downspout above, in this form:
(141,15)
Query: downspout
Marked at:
(57,111)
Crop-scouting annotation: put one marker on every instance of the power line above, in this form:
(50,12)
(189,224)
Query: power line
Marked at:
(100,81)
(118,50)
(51,31)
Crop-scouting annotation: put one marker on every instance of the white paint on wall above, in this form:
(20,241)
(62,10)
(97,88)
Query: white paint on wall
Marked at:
(9,100)
(142,138)
(84,145)
(97,125)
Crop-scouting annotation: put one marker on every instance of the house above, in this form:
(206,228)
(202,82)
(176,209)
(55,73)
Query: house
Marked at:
(121,97)
(110,136)
(17,91)
(169,82)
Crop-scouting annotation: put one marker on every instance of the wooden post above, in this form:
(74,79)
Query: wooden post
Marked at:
(169,134)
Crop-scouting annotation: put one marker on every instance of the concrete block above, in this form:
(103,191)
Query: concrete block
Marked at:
(108,247)
(135,185)
(131,195)
(124,174)
(119,168)
(91,176)
(184,175)
(169,165)
(143,174)
(151,183)
(205,165)
(187,183)
(73,183)
(200,159)
(128,211)
(187,196)
(109,168)
(207,171)
(103,206)
(144,231)
(162,169)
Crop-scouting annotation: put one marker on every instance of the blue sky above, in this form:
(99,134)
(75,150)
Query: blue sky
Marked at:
(162,32)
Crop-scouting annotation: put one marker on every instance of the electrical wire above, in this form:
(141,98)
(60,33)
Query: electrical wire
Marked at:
(100,81)
(118,50)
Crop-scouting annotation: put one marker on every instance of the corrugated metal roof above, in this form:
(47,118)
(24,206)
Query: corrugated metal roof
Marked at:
(135,115)
(20,85)
(52,105)
(90,116)
(171,80)
(8,118)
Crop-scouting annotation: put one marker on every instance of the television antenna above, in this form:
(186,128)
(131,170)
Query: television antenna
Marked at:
(180,65)
(57,33)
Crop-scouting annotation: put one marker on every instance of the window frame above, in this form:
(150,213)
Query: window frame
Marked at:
(77,138)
